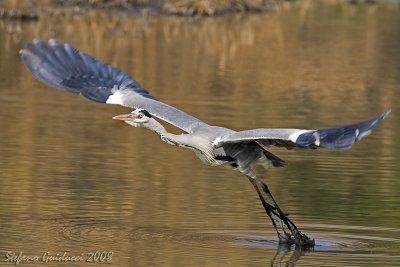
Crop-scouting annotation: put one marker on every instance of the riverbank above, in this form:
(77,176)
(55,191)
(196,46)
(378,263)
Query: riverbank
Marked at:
(24,10)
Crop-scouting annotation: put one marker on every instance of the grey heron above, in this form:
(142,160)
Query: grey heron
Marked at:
(63,66)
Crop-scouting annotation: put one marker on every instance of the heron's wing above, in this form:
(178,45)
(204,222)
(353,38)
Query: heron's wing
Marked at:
(342,137)
(65,67)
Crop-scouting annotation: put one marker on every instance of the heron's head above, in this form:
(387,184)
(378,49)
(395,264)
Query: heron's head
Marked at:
(137,118)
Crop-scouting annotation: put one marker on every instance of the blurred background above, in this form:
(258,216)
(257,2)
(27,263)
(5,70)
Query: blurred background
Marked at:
(73,180)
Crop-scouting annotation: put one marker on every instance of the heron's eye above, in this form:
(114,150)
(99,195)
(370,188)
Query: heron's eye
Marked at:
(139,116)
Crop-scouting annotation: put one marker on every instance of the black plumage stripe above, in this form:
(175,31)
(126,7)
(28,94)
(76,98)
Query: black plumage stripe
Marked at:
(145,112)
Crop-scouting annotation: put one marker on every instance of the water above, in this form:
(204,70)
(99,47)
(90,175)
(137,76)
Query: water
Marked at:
(75,181)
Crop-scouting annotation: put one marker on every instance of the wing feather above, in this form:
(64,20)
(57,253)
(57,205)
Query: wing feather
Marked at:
(64,67)
(339,138)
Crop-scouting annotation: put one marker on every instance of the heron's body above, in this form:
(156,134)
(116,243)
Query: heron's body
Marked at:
(65,67)
(203,141)
(201,145)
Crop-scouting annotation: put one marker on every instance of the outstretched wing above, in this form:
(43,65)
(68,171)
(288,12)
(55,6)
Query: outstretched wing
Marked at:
(339,138)
(65,67)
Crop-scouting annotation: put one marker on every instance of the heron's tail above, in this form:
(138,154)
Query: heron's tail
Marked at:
(268,160)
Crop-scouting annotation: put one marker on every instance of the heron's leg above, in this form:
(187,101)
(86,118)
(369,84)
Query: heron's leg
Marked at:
(265,188)
(283,216)
(271,211)
(296,236)
(276,214)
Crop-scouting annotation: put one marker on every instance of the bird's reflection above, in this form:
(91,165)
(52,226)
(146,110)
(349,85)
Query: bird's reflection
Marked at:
(287,255)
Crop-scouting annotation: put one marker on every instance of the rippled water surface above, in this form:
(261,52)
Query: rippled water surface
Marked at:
(73,180)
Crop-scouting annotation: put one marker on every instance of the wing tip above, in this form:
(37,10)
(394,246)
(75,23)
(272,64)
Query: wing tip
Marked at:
(380,118)
(24,52)
(386,113)
(30,59)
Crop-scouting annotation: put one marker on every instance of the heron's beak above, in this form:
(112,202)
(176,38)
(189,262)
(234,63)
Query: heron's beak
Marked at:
(123,117)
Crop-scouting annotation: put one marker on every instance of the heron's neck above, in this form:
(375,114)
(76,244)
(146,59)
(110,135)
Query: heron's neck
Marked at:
(157,127)
(160,130)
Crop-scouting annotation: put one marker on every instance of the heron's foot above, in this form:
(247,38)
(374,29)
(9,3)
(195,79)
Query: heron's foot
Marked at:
(289,233)
(296,238)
